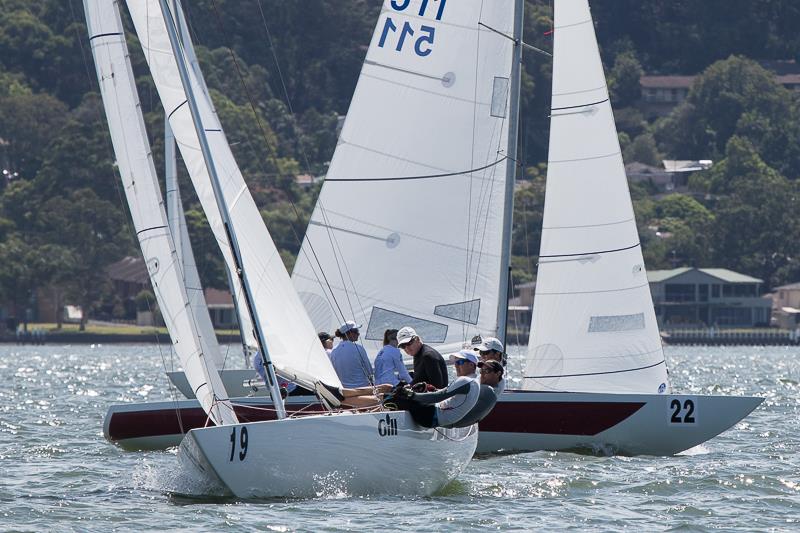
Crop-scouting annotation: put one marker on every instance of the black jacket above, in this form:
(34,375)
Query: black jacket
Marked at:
(429,367)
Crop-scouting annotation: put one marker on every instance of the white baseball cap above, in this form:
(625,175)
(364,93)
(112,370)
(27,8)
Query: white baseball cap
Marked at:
(490,343)
(469,355)
(347,326)
(405,335)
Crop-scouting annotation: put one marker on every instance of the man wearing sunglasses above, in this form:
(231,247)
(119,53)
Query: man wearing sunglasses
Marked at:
(429,365)
(448,406)
(491,349)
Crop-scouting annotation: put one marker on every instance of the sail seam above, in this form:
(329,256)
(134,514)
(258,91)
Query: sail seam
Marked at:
(580,105)
(426,91)
(405,71)
(591,253)
(584,158)
(429,176)
(662,362)
(591,225)
(570,93)
(593,292)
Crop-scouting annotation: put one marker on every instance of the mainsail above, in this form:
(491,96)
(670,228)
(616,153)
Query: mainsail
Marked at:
(593,327)
(408,227)
(291,339)
(192,344)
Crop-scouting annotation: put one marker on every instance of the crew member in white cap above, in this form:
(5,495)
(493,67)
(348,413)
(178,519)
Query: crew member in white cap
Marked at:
(466,363)
(446,407)
(350,359)
(491,349)
(429,365)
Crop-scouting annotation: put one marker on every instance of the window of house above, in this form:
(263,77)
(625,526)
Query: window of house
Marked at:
(715,291)
(679,292)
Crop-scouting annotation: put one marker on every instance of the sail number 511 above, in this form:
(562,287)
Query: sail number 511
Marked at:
(423,45)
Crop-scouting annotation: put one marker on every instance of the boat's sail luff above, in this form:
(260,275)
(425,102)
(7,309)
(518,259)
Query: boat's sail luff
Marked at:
(594,327)
(143,194)
(245,324)
(290,336)
(183,248)
(409,221)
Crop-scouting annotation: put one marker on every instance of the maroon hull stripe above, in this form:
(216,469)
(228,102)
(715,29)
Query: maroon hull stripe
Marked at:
(557,418)
(550,418)
(138,424)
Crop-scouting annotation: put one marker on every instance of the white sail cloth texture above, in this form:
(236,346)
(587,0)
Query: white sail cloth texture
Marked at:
(407,229)
(143,194)
(290,337)
(185,256)
(594,327)
(245,324)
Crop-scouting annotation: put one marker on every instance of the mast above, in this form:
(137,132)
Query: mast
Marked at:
(511,172)
(177,218)
(222,206)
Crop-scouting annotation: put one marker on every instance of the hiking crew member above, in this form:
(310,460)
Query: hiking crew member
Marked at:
(350,359)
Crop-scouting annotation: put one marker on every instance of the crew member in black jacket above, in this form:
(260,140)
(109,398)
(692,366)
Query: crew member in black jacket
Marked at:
(429,365)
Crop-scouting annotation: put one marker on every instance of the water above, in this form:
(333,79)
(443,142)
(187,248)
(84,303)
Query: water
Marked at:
(57,472)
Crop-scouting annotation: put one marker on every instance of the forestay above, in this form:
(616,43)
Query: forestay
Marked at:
(290,337)
(185,249)
(142,191)
(407,230)
(594,327)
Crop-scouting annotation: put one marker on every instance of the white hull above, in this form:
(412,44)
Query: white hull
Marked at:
(356,454)
(630,424)
(609,424)
(238,383)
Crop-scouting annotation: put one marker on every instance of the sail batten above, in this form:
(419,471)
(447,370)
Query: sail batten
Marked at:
(593,326)
(425,157)
(194,347)
(290,337)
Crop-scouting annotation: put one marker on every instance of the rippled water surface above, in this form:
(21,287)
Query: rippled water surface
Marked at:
(58,473)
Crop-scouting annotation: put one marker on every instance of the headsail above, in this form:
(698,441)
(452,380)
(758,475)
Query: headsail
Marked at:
(142,191)
(407,230)
(293,345)
(593,328)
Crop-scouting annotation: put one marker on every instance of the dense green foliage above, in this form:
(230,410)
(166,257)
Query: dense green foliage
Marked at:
(282,72)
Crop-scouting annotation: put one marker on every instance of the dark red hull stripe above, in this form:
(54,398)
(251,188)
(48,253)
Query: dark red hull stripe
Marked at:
(557,418)
(139,424)
(550,418)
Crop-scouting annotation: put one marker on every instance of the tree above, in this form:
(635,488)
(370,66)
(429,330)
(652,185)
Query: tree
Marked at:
(734,97)
(623,80)
(95,232)
(643,150)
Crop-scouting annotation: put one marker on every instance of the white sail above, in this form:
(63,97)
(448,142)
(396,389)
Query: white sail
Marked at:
(593,327)
(185,255)
(245,325)
(291,339)
(134,158)
(407,230)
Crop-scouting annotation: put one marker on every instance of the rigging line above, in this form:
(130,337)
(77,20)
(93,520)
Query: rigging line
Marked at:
(591,253)
(423,177)
(662,362)
(307,164)
(467,255)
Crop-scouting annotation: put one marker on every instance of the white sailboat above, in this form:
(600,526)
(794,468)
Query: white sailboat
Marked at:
(289,456)
(427,243)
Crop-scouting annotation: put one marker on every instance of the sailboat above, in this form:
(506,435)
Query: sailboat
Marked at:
(289,456)
(427,244)
(596,376)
